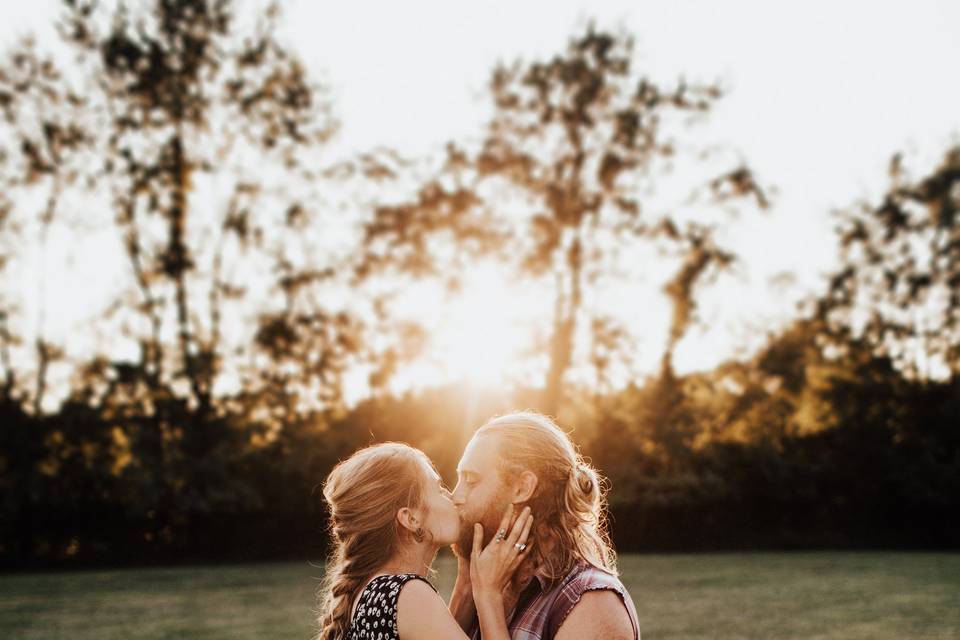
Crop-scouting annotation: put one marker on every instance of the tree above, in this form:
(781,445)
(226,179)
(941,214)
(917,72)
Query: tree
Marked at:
(899,283)
(207,142)
(201,141)
(41,158)
(557,188)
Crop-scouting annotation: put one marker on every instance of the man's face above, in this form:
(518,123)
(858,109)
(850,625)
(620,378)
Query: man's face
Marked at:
(480,495)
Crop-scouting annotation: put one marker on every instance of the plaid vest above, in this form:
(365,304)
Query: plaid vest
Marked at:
(540,612)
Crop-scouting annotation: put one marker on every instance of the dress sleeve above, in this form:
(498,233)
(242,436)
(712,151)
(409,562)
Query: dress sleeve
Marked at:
(407,577)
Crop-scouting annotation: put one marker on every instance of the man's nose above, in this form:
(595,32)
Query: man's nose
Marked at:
(457,495)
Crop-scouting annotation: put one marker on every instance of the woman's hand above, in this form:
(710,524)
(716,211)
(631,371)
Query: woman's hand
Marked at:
(492,568)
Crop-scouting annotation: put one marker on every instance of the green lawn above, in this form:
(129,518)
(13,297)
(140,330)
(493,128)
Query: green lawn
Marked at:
(763,595)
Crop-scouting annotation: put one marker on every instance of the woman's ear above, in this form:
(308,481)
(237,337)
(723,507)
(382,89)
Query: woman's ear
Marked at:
(408,519)
(525,487)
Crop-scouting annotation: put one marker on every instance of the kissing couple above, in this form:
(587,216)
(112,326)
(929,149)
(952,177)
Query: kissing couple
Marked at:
(526,522)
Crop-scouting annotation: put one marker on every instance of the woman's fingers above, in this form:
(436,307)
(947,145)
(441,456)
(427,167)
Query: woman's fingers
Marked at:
(518,526)
(504,524)
(521,546)
(518,558)
(526,530)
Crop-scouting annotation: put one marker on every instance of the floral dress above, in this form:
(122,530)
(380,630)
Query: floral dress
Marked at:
(376,614)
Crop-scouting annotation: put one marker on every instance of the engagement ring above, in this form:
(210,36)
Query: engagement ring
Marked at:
(501,535)
(520,547)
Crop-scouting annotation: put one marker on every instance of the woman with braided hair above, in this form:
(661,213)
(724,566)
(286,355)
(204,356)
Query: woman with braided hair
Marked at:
(389,515)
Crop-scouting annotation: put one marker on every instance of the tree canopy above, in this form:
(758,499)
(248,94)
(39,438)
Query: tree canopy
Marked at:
(899,286)
(558,188)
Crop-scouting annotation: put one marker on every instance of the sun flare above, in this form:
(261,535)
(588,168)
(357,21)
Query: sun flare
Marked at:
(482,333)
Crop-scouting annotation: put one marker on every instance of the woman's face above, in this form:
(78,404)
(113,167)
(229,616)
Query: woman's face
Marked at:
(442,520)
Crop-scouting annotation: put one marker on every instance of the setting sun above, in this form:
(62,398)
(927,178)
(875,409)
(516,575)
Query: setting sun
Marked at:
(480,334)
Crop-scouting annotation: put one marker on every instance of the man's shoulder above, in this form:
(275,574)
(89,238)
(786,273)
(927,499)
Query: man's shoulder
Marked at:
(598,614)
(594,597)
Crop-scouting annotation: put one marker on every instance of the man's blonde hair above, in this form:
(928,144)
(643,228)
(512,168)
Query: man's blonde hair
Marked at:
(569,503)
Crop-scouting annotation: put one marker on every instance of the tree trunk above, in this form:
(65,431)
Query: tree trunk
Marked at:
(9,375)
(43,360)
(564,327)
(179,264)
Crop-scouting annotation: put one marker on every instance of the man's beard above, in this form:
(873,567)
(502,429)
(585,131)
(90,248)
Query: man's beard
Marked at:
(489,517)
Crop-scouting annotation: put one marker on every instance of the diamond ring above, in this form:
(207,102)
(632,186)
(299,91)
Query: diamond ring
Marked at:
(520,547)
(501,535)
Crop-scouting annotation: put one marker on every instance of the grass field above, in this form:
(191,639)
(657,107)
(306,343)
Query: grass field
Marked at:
(762,595)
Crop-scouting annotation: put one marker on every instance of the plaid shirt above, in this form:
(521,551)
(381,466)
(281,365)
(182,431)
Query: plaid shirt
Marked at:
(540,612)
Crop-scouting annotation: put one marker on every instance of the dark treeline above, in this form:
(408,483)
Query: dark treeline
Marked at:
(785,451)
(842,431)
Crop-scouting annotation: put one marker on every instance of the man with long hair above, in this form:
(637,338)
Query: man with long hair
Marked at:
(568,587)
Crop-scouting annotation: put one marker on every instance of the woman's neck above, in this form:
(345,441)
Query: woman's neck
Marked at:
(416,560)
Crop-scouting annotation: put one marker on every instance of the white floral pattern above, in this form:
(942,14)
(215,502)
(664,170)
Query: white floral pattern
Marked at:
(376,614)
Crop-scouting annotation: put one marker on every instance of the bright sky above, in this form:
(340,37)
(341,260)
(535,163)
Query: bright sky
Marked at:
(820,95)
